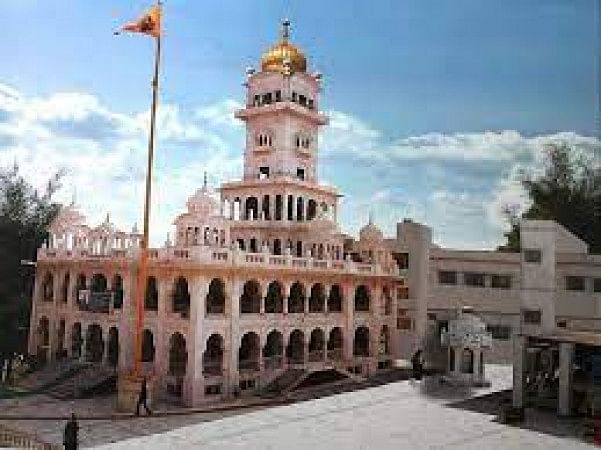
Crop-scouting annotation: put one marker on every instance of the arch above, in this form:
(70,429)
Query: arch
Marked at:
(151,295)
(317,299)
(266,207)
(94,343)
(384,343)
(113,347)
(300,208)
(279,206)
(274,300)
(117,285)
(98,283)
(361,342)
(250,300)
(148,349)
(467,361)
(296,347)
(362,299)
(76,340)
(178,355)
(335,299)
(335,344)
(216,297)
(181,297)
(277,246)
(273,350)
(311,209)
(317,345)
(249,352)
(296,299)
(212,358)
(65,288)
(251,208)
(48,287)
(60,340)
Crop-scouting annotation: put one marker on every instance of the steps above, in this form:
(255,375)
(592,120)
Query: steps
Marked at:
(282,383)
(40,380)
(90,380)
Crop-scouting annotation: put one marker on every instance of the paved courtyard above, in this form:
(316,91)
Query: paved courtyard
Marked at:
(399,415)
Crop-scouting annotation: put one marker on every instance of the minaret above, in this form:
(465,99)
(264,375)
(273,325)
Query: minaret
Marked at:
(281,115)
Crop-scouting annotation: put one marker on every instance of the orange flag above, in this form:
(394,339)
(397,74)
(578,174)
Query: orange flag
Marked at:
(149,23)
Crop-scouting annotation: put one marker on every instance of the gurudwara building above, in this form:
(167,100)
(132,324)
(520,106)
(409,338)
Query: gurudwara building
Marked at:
(260,284)
(257,283)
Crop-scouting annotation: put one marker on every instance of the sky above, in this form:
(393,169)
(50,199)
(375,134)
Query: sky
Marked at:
(436,107)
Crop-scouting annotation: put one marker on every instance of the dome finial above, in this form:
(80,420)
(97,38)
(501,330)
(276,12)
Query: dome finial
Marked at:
(371,218)
(204,181)
(285,30)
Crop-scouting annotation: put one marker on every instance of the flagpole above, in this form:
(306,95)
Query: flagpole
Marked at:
(143,264)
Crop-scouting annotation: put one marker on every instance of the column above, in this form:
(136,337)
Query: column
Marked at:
(566,357)
(234,341)
(31,346)
(285,295)
(161,356)
(349,322)
(127,323)
(519,364)
(195,342)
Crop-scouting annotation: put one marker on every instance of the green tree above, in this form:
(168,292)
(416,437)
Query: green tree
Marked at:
(568,192)
(25,215)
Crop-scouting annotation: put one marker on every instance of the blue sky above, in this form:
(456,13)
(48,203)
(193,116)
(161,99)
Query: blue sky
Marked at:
(442,103)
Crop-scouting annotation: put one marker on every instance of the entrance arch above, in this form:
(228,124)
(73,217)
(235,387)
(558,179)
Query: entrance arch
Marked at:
(296,300)
(249,352)
(216,297)
(296,347)
(335,344)
(274,300)
(273,350)
(178,355)
(250,300)
(212,358)
(317,299)
(316,345)
(335,299)
(362,299)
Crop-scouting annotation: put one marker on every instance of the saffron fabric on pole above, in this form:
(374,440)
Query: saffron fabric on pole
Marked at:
(149,23)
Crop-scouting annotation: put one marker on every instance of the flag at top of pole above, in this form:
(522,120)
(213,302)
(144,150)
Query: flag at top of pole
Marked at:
(149,23)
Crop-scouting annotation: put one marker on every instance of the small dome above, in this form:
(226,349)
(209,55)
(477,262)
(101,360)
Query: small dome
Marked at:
(273,60)
(371,233)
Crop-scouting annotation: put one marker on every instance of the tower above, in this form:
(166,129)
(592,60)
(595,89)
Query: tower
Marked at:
(273,206)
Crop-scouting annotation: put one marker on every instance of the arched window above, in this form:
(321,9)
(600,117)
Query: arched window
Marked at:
(361,342)
(181,297)
(300,209)
(316,345)
(278,207)
(274,300)
(273,350)
(296,300)
(151,296)
(296,347)
(147,346)
(361,298)
(117,291)
(212,358)
(335,299)
(250,300)
(48,287)
(251,208)
(249,352)
(178,355)
(98,283)
(216,297)
(311,209)
(335,344)
(317,299)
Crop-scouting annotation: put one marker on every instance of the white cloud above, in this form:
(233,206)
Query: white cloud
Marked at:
(457,183)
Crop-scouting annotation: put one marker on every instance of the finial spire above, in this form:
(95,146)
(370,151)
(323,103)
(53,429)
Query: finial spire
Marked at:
(285,30)
(371,218)
(204,181)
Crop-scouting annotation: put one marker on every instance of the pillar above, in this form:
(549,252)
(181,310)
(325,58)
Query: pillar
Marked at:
(349,322)
(195,343)
(519,364)
(234,341)
(161,356)
(566,357)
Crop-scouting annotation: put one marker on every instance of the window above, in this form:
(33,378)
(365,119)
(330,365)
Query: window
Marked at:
(278,96)
(302,100)
(499,332)
(574,283)
(532,256)
(294,96)
(501,281)
(531,316)
(267,98)
(431,316)
(257,100)
(404,323)
(213,389)
(402,260)
(473,279)
(263,140)
(263,173)
(310,104)
(402,293)
(562,324)
(597,285)
(300,173)
(447,277)
(247,384)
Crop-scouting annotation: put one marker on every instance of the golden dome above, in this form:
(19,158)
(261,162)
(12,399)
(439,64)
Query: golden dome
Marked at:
(273,60)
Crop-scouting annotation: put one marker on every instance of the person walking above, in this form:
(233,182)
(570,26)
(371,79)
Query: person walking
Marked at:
(417,365)
(142,398)
(70,435)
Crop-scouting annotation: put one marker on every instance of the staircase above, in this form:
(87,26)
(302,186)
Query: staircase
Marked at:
(40,380)
(282,383)
(90,380)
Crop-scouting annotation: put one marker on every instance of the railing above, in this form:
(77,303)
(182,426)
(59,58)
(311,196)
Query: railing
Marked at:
(219,255)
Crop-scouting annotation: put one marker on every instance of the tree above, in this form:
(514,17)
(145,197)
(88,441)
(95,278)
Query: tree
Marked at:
(568,192)
(25,215)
